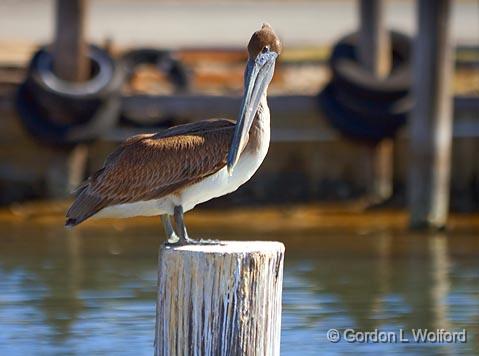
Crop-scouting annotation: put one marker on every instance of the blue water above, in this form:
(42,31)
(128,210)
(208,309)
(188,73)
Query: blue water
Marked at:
(94,293)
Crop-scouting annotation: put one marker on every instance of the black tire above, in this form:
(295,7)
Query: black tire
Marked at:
(34,119)
(350,76)
(163,60)
(106,75)
(358,126)
(61,113)
(378,112)
(74,103)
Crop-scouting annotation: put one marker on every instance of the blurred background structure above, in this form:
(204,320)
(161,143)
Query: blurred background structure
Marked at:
(375,129)
(179,65)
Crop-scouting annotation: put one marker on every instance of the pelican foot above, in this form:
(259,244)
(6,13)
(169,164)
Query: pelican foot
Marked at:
(172,240)
(179,241)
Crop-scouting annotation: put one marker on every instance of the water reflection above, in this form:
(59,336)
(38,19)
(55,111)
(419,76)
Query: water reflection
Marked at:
(82,293)
(386,282)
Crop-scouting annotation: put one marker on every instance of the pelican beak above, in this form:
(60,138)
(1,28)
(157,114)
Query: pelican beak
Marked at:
(258,75)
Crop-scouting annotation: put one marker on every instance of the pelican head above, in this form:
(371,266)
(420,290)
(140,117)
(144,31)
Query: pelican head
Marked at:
(263,49)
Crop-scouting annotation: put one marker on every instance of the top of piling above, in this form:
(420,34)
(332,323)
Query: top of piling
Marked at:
(230,247)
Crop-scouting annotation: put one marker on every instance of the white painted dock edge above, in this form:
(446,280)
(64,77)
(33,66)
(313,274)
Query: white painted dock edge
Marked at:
(220,299)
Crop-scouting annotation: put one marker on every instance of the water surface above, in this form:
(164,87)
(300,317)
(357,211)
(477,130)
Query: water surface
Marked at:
(94,292)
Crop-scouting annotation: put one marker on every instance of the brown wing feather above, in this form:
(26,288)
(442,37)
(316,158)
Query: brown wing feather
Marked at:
(151,166)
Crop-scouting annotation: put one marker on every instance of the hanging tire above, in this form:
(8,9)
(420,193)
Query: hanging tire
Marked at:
(34,119)
(377,112)
(360,105)
(164,61)
(61,113)
(349,75)
(356,125)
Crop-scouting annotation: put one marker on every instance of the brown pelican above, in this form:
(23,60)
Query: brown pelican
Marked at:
(168,173)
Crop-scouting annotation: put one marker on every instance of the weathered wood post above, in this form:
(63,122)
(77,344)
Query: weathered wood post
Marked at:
(374,52)
(66,171)
(71,63)
(374,42)
(70,59)
(431,118)
(220,299)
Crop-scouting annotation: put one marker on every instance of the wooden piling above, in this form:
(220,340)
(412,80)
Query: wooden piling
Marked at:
(431,119)
(220,299)
(71,63)
(374,52)
(66,171)
(70,59)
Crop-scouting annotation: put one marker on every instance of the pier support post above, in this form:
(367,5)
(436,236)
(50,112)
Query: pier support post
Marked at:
(66,171)
(220,299)
(431,118)
(374,52)
(70,59)
(71,63)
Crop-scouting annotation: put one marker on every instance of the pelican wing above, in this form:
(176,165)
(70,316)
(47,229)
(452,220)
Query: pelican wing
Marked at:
(151,166)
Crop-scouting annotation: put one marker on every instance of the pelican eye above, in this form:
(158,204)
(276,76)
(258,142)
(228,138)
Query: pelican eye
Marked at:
(265,49)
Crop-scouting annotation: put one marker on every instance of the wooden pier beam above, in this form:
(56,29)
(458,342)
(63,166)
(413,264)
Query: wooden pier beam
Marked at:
(431,119)
(374,52)
(220,299)
(70,58)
